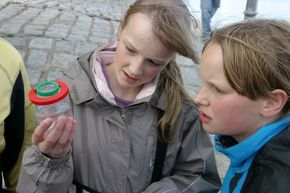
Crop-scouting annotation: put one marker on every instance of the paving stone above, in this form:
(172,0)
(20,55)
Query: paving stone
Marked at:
(54,74)
(62,60)
(77,38)
(32,32)
(22,53)
(34,75)
(65,46)
(41,43)
(16,41)
(10,29)
(83,48)
(37,59)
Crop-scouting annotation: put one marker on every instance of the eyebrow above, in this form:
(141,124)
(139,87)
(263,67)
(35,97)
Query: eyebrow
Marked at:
(129,44)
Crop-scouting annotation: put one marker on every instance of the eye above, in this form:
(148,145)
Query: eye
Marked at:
(155,63)
(130,50)
(216,89)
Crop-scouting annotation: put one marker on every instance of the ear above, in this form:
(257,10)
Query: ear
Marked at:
(274,103)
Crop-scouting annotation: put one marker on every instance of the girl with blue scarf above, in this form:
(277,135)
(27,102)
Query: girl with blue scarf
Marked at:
(244,101)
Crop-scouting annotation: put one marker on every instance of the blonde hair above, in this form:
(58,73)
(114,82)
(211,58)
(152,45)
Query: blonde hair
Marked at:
(256,56)
(173,25)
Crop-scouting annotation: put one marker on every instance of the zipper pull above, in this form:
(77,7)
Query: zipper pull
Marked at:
(123,115)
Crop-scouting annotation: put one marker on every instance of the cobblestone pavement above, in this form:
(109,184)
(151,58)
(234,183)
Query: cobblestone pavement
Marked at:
(51,34)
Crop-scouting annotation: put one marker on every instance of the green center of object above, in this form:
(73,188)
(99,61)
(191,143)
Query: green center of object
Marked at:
(47,88)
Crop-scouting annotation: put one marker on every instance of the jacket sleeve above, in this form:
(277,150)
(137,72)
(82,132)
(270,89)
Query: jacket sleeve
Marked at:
(195,169)
(270,170)
(16,113)
(11,177)
(42,174)
(269,181)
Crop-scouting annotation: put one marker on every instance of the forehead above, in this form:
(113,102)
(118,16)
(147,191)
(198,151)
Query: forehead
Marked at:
(140,26)
(139,33)
(212,61)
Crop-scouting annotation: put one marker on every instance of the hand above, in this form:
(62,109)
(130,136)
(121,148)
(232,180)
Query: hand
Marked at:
(55,143)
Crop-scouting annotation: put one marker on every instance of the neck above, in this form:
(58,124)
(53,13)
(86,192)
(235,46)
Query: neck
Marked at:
(128,94)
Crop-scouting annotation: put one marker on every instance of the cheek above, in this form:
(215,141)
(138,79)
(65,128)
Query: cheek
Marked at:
(228,113)
(152,72)
(121,56)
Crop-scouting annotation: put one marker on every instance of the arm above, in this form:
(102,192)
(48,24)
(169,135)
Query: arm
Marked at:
(47,166)
(269,180)
(195,168)
(270,170)
(20,122)
(42,174)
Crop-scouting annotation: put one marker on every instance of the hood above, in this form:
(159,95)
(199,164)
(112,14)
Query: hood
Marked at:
(90,68)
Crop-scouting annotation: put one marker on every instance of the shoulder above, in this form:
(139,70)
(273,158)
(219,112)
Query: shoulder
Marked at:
(188,108)
(271,167)
(10,64)
(78,77)
(10,61)
(276,150)
(76,67)
(188,118)
(279,147)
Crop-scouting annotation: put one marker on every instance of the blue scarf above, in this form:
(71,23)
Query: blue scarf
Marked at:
(242,154)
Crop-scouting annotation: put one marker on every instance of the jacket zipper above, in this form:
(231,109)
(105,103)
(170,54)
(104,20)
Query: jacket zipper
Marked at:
(123,115)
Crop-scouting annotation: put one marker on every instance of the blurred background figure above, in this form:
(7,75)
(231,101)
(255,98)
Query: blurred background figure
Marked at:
(16,115)
(208,9)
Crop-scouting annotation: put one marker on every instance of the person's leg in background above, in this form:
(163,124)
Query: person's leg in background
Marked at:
(205,6)
(215,6)
(208,9)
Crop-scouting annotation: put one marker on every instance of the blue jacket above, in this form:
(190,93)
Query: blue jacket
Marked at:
(259,164)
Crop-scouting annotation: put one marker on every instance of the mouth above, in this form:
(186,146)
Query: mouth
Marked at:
(129,78)
(204,117)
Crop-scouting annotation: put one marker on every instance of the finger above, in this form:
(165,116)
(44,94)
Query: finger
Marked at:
(63,145)
(68,131)
(68,145)
(39,132)
(61,151)
(54,135)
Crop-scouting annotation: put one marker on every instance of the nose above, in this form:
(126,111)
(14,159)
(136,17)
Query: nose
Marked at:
(136,66)
(201,97)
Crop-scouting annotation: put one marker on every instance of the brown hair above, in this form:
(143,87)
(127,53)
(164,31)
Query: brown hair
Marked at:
(256,56)
(173,25)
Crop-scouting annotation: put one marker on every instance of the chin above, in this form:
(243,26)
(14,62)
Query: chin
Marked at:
(208,130)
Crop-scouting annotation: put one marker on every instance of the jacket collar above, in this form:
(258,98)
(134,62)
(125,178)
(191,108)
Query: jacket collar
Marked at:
(242,154)
(83,87)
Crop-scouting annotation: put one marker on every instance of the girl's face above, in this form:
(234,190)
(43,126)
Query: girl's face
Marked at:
(222,110)
(140,55)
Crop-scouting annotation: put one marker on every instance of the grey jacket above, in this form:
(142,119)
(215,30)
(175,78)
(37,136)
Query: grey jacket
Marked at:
(114,148)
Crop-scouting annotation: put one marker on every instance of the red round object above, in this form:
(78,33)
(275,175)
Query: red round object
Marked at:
(39,100)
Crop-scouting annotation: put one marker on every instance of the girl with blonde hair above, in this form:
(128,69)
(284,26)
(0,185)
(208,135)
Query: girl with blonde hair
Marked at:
(137,129)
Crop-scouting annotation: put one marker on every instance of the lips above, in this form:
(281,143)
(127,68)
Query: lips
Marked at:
(130,79)
(204,118)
